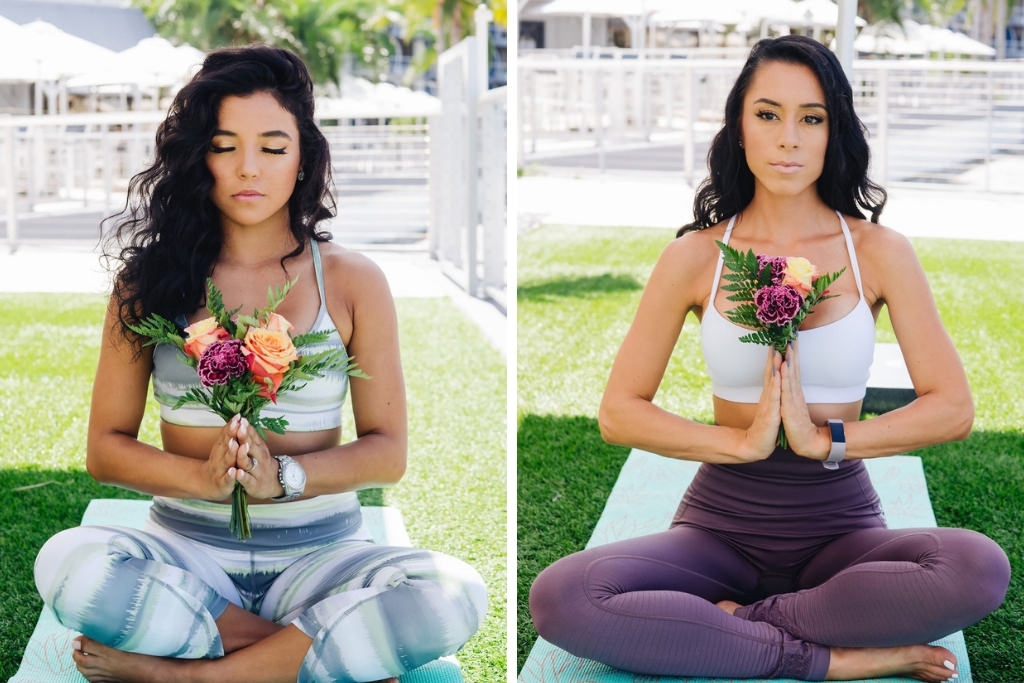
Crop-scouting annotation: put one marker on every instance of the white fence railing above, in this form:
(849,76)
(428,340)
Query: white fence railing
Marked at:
(468,159)
(949,123)
(83,162)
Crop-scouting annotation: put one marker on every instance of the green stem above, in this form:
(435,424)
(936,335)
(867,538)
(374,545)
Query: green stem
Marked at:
(239,524)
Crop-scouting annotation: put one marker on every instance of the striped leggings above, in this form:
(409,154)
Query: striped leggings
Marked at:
(372,611)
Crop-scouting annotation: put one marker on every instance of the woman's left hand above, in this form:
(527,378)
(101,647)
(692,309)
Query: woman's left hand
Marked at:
(255,467)
(802,434)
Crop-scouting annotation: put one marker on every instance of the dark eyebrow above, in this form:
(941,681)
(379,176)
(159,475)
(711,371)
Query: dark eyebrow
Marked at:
(802,106)
(268,134)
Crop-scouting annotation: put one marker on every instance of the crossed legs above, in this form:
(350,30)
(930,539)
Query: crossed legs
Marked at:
(648,605)
(354,611)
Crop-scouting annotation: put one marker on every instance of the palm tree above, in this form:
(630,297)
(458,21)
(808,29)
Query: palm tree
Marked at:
(323,33)
(875,11)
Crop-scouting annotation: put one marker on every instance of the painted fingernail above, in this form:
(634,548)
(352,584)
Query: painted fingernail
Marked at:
(949,665)
(232,444)
(76,644)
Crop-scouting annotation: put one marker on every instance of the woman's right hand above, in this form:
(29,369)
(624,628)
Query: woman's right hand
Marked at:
(763,433)
(218,471)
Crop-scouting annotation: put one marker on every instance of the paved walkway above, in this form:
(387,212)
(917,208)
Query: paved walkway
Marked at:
(659,200)
(64,266)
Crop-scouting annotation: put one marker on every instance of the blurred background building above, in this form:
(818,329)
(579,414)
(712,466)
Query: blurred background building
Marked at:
(409,94)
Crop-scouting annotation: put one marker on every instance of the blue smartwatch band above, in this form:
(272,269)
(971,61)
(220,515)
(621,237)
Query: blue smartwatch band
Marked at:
(838,450)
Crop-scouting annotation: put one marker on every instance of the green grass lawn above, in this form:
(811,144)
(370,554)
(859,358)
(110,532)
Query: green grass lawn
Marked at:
(578,291)
(453,496)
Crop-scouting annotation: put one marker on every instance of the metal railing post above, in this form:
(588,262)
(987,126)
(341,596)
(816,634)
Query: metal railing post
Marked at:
(11,187)
(883,126)
(691,116)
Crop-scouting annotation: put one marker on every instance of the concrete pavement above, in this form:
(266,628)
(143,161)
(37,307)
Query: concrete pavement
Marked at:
(581,197)
(74,266)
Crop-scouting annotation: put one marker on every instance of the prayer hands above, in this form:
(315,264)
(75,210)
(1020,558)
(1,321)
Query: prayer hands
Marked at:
(254,467)
(801,432)
(764,430)
(218,471)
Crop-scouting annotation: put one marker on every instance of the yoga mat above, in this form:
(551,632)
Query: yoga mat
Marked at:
(643,501)
(47,656)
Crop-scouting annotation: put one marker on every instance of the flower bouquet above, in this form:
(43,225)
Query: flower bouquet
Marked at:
(775,294)
(244,362)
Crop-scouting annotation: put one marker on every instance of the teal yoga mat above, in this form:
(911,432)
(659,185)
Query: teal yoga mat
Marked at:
(47,657)
(643,501)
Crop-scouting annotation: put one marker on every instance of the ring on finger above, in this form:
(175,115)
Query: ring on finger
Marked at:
(255,462)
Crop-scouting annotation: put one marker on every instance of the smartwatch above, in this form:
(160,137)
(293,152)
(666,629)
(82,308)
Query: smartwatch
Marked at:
(838,450)
(292,478)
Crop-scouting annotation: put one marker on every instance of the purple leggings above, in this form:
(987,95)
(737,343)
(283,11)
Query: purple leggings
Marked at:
(647,604)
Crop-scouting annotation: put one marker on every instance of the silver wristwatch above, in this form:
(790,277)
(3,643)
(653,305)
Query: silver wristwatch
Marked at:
(292,478)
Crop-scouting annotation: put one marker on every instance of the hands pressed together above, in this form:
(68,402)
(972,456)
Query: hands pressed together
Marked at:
(240,454)
(782,403)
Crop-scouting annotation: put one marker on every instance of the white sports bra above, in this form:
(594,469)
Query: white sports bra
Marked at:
(835,359)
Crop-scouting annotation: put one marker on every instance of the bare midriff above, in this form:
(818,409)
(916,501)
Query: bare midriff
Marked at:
(196,442)
(741,415)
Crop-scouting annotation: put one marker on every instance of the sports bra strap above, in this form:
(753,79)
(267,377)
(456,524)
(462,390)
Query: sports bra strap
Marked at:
(320,271)
(852,252)
(721,260)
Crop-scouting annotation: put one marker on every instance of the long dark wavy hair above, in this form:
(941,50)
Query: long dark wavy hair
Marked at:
(843,184)
(167,238)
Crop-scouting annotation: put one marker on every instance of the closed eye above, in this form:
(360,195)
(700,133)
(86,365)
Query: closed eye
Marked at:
(220,150)
(274,151)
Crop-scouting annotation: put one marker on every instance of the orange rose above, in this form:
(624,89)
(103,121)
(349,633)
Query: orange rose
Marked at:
(799,274)
(201,334)
(269,354)
(278,323)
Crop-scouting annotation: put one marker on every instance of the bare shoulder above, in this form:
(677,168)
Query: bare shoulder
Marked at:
(351,272)
(695,250)
(880,245)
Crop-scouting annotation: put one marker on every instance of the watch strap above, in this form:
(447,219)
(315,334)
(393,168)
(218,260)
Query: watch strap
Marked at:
(282,462)
(838,449)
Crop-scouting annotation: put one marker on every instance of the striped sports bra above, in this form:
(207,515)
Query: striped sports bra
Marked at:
(835,359)
(314,407)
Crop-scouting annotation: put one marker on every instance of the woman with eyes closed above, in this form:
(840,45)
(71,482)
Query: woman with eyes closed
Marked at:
(778,563)
(239,184)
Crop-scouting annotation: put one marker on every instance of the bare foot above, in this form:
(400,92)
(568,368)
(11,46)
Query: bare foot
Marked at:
(102,664)
(728,606)
(923,662)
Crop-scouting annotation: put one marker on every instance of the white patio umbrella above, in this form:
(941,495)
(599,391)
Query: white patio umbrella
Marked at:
(65,54)
(809,13)
(22,57)
(169,64)
(588,9)
(914,39)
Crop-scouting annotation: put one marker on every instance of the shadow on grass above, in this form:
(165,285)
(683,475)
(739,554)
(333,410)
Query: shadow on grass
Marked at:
(27,519)
(606,283)
(565,473)
(371,497)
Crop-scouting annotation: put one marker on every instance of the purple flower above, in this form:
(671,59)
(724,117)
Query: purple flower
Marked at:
(222,361)
(777,265)
(777,304)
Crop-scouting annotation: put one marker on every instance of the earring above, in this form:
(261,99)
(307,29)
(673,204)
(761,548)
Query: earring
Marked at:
(741,144)
(302,174)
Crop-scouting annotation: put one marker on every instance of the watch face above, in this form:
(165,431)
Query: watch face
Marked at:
(294,477)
